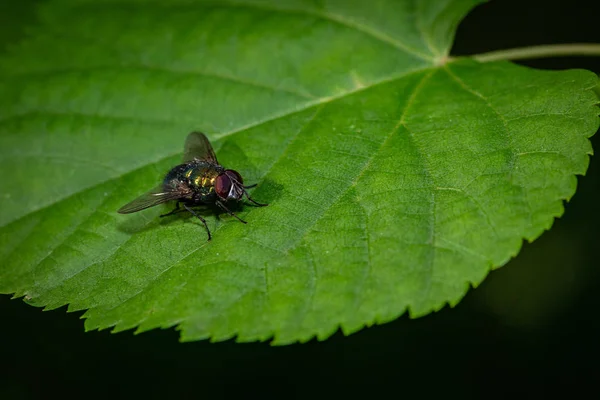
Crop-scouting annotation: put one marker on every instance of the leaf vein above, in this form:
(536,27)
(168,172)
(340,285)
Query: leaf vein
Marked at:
(354,182)
(253,124)
(338,19)
(507,133)
(171,70)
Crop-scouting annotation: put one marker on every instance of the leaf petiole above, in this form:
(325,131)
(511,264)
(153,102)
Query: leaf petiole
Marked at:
(542,51)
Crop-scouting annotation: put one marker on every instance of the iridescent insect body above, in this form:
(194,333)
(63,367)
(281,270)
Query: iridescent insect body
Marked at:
(199,181)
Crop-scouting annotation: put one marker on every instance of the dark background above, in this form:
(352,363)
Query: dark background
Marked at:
(531,328)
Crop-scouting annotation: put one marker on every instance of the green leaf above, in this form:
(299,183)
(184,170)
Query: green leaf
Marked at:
(396,177)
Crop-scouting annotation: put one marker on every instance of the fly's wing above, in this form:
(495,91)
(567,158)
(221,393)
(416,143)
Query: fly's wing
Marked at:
(156,196)
(198,147)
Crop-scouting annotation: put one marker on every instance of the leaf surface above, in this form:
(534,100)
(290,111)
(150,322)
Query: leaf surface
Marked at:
(395,178)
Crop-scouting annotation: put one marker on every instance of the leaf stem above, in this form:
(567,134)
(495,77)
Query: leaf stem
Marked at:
(542,51)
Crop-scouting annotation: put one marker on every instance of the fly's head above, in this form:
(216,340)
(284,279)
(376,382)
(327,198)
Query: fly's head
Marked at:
(229,185)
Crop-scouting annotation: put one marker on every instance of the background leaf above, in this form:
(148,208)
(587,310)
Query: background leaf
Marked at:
(395,179)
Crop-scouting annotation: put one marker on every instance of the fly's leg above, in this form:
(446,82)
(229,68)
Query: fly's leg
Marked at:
(250,186)
(200,218)
(254,201)
(228,211)
(175,211)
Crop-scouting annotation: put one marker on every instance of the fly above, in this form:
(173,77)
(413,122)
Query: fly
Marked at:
(199,181)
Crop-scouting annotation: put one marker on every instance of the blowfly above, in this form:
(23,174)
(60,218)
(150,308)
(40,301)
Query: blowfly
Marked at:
(199,181)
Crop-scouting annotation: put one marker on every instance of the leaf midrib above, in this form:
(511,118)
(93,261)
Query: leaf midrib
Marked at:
(217,136)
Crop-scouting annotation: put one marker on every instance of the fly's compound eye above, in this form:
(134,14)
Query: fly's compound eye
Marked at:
(234,175)
(222,186)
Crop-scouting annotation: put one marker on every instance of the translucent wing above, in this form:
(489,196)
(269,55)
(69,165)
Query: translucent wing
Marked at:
(198,147)
(156,196)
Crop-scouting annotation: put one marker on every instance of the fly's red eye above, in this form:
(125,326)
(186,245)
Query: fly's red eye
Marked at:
(222,186)
(235,175)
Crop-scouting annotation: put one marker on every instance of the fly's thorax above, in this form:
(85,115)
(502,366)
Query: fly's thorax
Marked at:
(192,173)
(197,178)
(202,178)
